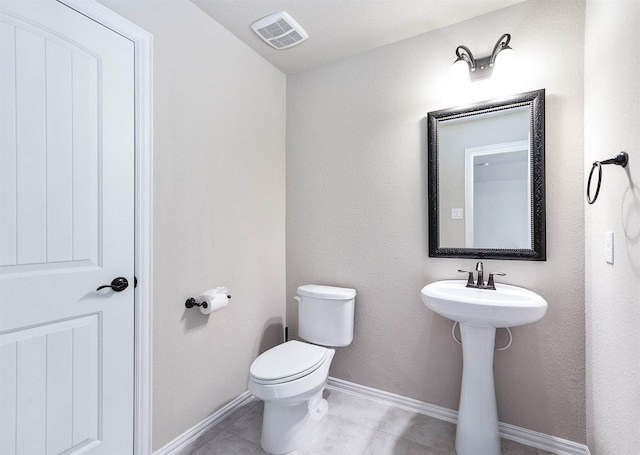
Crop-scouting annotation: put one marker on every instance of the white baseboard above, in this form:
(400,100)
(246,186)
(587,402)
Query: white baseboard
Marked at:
(193,433)
(542,441)
(531,438)
(392,399)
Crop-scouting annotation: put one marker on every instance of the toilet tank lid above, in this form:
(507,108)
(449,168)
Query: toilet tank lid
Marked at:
(326,292)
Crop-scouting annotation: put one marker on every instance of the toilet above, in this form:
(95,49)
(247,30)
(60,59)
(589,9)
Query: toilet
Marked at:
(291,377)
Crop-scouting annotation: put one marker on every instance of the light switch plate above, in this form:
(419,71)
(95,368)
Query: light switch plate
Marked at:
(457,214)
(608,247)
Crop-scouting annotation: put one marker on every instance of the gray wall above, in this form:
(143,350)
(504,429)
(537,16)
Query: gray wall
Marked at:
(219,209)
(612,118)
(356,212)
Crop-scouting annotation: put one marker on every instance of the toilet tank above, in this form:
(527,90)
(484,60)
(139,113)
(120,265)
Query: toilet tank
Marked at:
(325,314)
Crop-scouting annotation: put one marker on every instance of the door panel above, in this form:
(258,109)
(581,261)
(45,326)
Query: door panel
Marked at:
(66,227)
(51,166)
(57,388)
(30,151)
(60,91)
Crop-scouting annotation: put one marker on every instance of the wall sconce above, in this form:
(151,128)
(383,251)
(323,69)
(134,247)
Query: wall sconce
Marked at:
(482,68)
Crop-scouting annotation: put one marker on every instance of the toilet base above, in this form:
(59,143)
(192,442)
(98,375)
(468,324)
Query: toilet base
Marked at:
(286,426)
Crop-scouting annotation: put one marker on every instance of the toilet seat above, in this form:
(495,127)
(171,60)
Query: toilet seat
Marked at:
(287,362)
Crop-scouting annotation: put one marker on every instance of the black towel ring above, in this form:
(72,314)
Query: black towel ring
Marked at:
(620,160)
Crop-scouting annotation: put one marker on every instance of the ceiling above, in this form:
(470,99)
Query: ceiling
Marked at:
(341,28)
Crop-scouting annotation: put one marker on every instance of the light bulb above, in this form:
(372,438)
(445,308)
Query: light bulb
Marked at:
(460,71)
(505,61)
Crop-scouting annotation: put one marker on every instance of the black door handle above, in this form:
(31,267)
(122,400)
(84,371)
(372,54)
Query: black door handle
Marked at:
(118,284)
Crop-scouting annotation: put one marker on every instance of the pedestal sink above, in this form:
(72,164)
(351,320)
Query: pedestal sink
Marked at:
(480,312)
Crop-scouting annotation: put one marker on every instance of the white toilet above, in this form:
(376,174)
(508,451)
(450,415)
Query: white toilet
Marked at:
(291,377)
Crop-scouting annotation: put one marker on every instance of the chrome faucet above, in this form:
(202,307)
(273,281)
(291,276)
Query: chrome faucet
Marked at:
(480,284)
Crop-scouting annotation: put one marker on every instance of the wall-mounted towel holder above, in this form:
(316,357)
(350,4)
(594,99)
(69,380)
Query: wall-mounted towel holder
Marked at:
(622,159)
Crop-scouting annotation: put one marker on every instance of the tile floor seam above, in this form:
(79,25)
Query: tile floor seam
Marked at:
(238,436)
(369,442)
(246,411)
(382,418)
(409,440)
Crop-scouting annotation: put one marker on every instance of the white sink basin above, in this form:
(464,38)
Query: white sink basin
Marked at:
(507,306)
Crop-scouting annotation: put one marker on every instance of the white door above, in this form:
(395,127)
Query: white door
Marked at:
(66,227)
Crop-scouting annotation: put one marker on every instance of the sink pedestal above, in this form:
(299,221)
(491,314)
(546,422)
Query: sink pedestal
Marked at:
(477,429)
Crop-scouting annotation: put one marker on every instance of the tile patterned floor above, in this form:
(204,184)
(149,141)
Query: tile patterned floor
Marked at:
(354,426)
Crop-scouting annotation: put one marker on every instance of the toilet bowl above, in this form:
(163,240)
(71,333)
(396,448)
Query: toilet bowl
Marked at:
(291,377)
(292,393)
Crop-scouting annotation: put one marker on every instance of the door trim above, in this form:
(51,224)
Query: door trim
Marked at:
(143,86)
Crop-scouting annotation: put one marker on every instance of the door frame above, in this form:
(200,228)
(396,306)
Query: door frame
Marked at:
(143,87)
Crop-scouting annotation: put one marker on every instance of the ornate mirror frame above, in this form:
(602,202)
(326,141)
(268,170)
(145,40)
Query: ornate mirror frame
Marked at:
(536,102)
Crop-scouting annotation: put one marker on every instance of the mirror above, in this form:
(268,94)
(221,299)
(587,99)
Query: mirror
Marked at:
(486,179)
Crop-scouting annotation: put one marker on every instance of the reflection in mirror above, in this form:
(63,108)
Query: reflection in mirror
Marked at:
(486,179)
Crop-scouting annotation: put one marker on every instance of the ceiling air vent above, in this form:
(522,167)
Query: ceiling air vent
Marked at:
(279,30)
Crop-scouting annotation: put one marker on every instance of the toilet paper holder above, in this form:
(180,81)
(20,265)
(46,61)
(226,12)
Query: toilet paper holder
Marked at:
(191,302)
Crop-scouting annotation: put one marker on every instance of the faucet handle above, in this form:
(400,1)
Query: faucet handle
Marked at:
(470,283)
(490,283)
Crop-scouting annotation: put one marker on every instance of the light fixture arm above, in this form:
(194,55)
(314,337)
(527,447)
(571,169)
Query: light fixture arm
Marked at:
(464,53)
(503,43)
